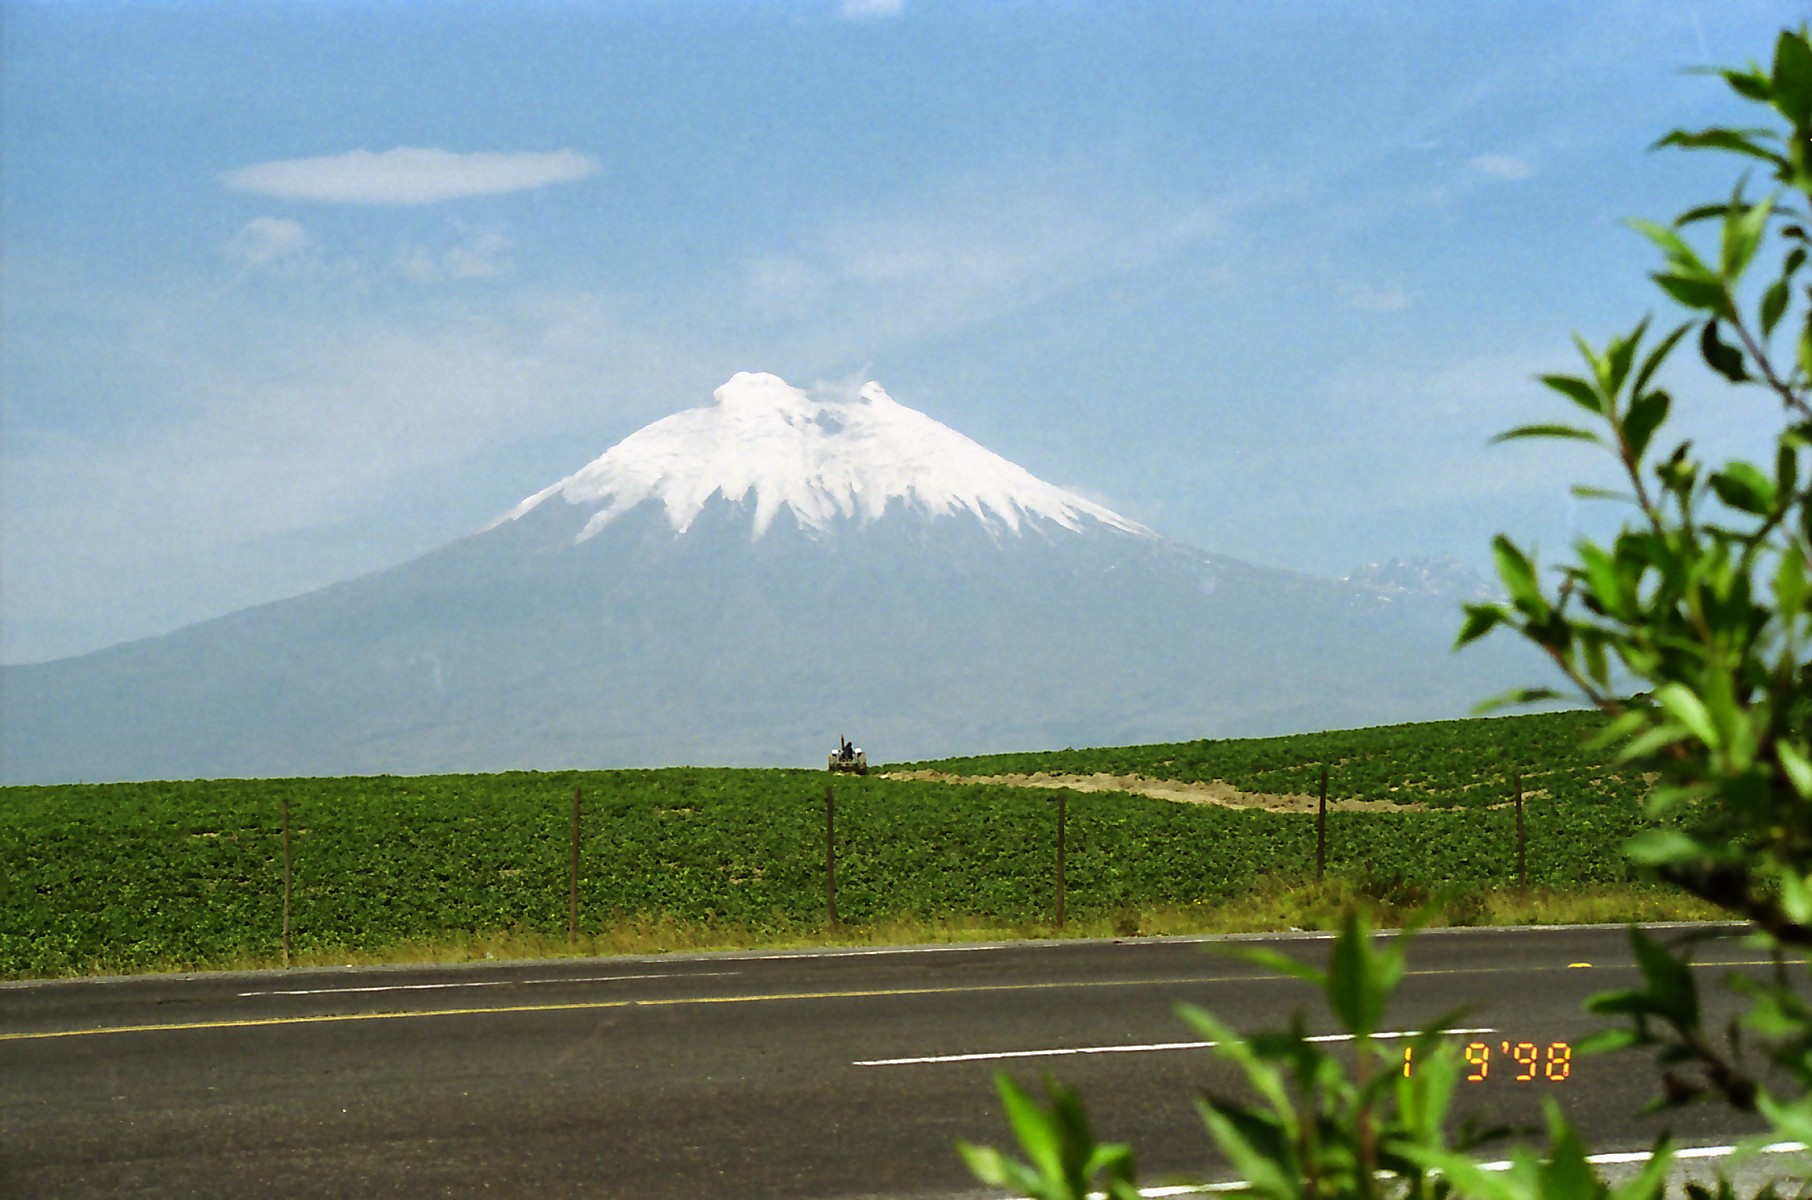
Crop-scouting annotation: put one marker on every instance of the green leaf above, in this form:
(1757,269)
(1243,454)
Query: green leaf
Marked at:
(1470,1179)
(1702,212)
(1648,412)
(1790,584)
(1035,1129)
(1735,140)
(1671,987)
(1639,748)
(1743,487)
(1786,465)
(1618,356)
(1792,1119)
(1795,767)
(1685,706)
(1567,1175)
(1618,729)
(1515,696)
(1658,847)
(1694,291)
(1481,619)
(1750,84)
(1792,78)
(992,1167)
(1597,666)
(1547,431)
(1605,576)
(1774,303)
(1678,253)
(1653,362)
(1518,574)
(1650,1183)
(1607,1041)
(1796,890)
(1720,356)
(1229,1045)
(1282,964)
(1577,390)
(1358,982)
(1743,230)
(1262,1171)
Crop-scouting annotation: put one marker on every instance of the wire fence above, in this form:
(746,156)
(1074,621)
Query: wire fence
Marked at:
(127,877)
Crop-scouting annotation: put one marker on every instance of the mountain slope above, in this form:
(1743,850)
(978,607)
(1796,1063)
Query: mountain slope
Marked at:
(741,586)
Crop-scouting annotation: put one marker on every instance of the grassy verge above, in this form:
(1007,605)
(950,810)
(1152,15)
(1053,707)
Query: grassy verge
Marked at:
(1266,911)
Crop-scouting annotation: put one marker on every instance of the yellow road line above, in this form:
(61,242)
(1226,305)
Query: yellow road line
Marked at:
(586,1005)
(582,1005)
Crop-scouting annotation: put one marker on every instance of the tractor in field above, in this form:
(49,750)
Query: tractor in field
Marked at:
(848,758)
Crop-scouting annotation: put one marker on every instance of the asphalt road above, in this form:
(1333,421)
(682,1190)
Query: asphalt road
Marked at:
(799,1075)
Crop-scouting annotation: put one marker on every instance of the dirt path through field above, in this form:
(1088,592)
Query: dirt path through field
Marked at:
(1164,789)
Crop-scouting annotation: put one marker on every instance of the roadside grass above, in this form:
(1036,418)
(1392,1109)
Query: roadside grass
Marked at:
(1271,909)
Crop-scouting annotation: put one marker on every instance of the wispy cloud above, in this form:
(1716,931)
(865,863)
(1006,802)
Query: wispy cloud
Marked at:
(957,256)
(858,10)
(264,240)
(1503,166)
(1378,300)
(408,175)
(479,255)
(274,452)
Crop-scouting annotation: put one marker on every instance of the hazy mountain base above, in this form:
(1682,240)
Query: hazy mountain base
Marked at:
(515,648)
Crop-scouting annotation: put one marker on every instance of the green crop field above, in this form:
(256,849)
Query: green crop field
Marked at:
(123,877)
(1437,763)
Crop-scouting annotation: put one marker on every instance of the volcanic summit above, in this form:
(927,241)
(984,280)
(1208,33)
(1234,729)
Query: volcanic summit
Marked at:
(738,583)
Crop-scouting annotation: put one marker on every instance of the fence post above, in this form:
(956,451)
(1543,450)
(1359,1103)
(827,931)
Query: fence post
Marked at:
(286,881)
(1522,844)
(572,894)
(1060,840)
(1321,828)
(830,852)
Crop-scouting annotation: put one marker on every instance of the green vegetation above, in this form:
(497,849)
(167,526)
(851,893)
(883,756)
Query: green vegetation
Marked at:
(128,877)
(1437,763)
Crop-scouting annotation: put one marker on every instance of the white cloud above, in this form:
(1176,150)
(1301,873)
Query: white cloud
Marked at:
(264,240)
(408,175)
(480,256)
(1378,300)
(856,10)
(955,257)
(1503,166)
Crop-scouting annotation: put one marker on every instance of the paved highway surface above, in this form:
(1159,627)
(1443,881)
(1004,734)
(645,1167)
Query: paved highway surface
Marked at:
(811,1074)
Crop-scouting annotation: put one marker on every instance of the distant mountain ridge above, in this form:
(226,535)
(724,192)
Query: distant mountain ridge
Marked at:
(739,584)
(1438,577)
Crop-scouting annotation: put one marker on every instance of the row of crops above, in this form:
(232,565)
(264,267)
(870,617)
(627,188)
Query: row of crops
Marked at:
(134,876)
(1438,763)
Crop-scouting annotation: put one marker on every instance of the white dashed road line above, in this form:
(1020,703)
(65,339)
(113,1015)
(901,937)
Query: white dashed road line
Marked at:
(1119,1049)
(1601,1160)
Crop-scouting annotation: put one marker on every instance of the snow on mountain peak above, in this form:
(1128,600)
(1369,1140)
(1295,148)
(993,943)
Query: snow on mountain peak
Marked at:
(821,458)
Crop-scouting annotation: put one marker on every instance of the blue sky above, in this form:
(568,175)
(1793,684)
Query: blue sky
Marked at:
(292,292)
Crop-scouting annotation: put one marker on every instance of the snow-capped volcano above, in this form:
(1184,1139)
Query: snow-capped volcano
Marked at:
(823,459)
(897,603)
